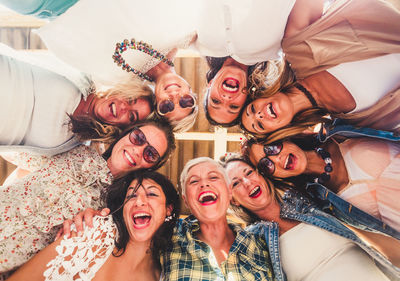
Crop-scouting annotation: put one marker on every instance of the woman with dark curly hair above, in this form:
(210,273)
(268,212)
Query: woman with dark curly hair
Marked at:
(60,186)
(123,246)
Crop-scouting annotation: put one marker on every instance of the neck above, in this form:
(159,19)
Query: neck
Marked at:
(159,70)
(85,108)
(272,213)
(299,100)
(210,233)
(315,163)
(136,259)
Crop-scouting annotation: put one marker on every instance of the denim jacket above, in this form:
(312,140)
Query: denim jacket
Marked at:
(298,208)
(340,128)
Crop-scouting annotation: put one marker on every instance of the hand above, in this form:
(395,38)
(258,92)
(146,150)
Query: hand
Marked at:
(85,216)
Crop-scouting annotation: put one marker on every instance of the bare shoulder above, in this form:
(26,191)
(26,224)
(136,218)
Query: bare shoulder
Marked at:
(304,13)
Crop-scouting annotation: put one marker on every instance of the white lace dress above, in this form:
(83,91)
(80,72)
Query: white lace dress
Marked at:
(79,258)
(32,208)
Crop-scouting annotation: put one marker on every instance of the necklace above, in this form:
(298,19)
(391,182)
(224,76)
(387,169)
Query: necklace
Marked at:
(325,176)
(307,94)
(140,46)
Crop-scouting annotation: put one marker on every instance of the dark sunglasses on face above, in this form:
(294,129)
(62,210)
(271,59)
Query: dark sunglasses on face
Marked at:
(266,166)
(185,101)
(150,154)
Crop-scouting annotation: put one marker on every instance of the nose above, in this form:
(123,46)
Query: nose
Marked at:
(259,115)
(226,96)
(277,159)
(246,182)
(137,153)
(204,183)
(141,198)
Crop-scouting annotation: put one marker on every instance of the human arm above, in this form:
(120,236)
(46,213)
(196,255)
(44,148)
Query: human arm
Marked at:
(304,13)
(83,217)
(34,268)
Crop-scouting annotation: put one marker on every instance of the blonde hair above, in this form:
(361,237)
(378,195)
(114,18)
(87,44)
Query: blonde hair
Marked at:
(88,128)
(187,122)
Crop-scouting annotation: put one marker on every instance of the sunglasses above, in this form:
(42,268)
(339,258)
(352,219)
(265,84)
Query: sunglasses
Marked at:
(185,101)
(266,166)
(150,154)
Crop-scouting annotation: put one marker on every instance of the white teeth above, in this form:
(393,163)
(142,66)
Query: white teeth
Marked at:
(286,162)
(129,158)
(229,89)
(138,215)
(270,111)
(205,194)
(114,109)
(254,190)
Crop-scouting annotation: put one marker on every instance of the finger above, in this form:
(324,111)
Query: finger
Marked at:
(88,215)
(105,212)
(67,228)
(78,221)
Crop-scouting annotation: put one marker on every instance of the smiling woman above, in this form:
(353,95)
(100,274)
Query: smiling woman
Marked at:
(68,183)
(205,246)
(144,209)
(45,95)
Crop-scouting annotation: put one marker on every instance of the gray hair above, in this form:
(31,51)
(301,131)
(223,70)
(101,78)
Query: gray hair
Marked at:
(191,163)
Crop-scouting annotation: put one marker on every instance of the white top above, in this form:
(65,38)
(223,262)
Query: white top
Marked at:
(373,168)
(35,102)
(83,256)
(369,80)
(311,253)
(86,34)
(248,31)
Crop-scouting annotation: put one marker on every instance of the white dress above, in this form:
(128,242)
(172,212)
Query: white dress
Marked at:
(91,28)
(34,206)
(79,258)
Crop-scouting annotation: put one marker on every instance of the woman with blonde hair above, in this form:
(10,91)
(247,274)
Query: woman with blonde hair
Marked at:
(55,107)
(309,241)
(359,92)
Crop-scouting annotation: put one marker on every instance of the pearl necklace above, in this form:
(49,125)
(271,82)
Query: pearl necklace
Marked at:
(325,176)
(140,46)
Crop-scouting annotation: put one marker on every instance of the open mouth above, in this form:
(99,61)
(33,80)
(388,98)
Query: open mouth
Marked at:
(113,109)
(230,85)
(129,158)
(141,220)
(207,198)
(172,86)
(270,111)
(290,162)
(255,192)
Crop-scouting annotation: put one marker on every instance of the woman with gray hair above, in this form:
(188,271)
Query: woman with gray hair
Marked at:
(205,245)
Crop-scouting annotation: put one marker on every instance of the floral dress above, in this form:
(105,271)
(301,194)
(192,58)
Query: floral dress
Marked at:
(58,187)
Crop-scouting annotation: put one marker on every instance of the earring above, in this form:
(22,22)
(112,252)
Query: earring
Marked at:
(167,219)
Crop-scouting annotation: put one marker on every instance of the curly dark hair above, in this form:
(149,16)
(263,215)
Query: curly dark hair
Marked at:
(160,123)
(114,198)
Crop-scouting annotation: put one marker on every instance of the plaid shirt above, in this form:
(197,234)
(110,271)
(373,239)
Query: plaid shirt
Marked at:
(192,259)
